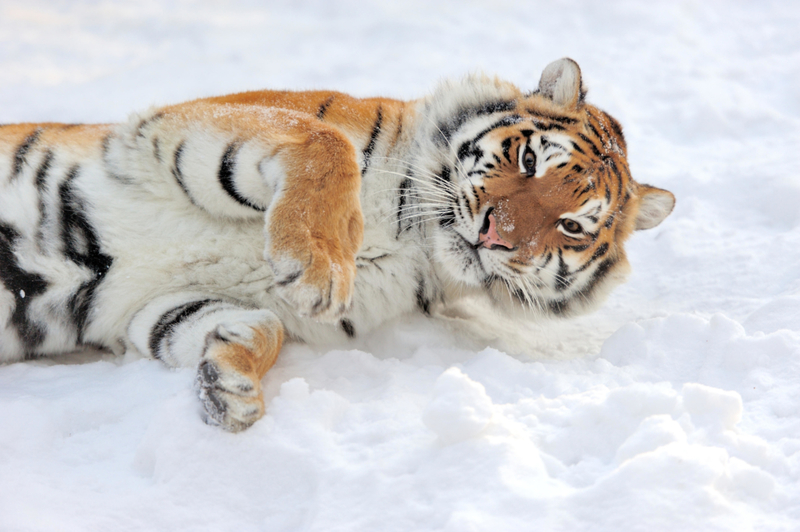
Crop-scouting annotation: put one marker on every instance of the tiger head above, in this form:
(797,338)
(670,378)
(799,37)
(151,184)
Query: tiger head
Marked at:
(532,192)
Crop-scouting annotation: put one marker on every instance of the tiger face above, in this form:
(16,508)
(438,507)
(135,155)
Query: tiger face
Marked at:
(537,199)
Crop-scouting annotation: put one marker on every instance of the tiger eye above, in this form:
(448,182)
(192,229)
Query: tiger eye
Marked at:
(529,161)
(571,226)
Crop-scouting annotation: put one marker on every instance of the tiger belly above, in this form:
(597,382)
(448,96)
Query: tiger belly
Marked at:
(97,250)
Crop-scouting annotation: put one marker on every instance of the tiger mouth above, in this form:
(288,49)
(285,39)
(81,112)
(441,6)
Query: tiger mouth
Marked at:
(473,249)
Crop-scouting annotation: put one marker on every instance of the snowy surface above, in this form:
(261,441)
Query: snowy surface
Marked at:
(675,407)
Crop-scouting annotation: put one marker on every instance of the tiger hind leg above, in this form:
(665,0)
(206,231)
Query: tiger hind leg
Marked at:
(231,346)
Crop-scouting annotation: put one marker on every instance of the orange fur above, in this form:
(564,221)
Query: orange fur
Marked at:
(252,360)
(81,140)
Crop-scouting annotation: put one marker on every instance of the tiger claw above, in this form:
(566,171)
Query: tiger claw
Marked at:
(323,290)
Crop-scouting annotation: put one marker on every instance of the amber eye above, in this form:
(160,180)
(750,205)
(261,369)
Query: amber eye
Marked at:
(571,226)
(529,161)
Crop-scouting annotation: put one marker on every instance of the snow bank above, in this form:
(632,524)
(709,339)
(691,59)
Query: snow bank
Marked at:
(675,407)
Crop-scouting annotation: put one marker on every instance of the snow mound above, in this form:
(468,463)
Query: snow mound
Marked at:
(460,408)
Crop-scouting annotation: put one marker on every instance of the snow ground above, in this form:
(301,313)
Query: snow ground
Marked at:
(675,407)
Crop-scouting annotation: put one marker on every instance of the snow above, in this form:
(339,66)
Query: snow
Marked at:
(674,407)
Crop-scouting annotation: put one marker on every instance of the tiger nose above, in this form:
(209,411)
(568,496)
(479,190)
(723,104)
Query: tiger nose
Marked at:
(489,237)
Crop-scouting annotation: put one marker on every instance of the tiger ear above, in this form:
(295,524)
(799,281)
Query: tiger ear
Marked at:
(655,204)
(561,82)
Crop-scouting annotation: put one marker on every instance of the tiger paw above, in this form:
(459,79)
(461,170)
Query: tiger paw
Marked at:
(227,381)
(321,286)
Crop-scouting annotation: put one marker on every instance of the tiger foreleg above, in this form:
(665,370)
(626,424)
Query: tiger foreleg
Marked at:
(232,348)
(315,226)
(242,162)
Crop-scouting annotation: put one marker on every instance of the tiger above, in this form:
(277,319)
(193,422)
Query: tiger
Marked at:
(204,234)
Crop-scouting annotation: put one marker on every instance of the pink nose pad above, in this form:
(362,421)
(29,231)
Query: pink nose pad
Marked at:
(489,238)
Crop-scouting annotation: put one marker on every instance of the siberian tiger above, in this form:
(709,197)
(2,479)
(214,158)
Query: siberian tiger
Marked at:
(201,234)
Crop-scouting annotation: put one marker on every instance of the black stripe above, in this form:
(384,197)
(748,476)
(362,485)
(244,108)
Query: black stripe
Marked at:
(44,167)
(376,130)
(443,177)
(147,121)
(550,116)
(599,252)
(496,107)
(558,306)
(423,302)
(81,246)
(289,279)
(578,248)
(545,126)
(446,129)
(41,187)
(615,126)
(324,107)
(81,242)
(467,204)
(595,150)
(613,165)
(448,217)
(178,175)
(463,150)
(24,286)
(503,122)
(405,188)
(22,152)
(348,328)
(602,270)
(169,321)
(399,129)
(596,133)
(227,166)
(506,145)
(106,146)
(562,282)
(470,149)
(520,295)
(156,149)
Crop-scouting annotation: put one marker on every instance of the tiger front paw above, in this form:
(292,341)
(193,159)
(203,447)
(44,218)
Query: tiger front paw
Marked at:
(315,271)
(322,288)
(228,378)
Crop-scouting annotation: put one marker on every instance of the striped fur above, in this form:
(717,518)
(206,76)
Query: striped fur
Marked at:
(202,233)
